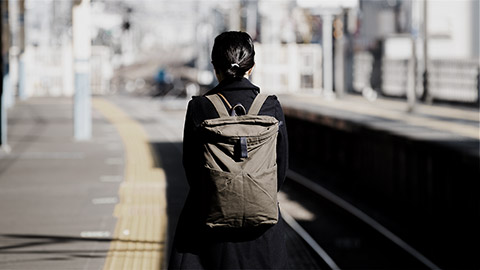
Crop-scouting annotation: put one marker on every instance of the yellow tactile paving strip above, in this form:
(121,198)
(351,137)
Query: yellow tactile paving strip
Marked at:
(140,233)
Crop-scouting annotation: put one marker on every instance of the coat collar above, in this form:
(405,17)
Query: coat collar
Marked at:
(233,84)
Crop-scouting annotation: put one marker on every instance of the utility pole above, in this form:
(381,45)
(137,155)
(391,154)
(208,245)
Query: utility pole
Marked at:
(81,52)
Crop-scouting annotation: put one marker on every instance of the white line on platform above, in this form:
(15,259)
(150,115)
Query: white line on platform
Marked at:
(111,178)
(108,128)
(95,234)
(47,155)
(106,200)
(113,146)
(360,215)
(114,161)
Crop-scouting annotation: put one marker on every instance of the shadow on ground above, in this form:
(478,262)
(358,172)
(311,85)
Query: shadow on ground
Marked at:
(168,156)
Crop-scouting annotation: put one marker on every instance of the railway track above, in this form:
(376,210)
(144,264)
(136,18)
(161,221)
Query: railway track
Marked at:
(343,236)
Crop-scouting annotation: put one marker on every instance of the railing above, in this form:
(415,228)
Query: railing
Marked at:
(288,68)
(362,71)
(447,80)
(395,77)
(454,80)
(101,70)
(49,71)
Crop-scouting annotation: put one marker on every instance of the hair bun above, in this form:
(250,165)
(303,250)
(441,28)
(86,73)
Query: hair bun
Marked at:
(233,54)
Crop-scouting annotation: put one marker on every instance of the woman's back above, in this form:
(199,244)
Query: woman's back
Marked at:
(196,246)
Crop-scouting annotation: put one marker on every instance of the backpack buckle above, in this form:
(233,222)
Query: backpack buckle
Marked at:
(243,147)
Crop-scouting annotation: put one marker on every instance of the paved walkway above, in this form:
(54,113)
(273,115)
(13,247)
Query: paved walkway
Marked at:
(57,195)
(139,238)
(65,204)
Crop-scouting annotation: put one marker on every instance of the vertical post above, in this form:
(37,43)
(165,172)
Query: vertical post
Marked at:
(234,18)
(426,95)
(339,55)
(327,55)
(5,45)
(411,77)
(252,18)
(1,72)
(81,53)
(10,78)
(21,45)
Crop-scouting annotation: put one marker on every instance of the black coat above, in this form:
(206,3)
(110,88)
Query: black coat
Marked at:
(194,245)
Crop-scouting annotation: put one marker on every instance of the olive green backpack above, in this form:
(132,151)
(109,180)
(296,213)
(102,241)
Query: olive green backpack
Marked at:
(240,179)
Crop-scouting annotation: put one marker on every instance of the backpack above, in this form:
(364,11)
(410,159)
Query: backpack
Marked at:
(240,176)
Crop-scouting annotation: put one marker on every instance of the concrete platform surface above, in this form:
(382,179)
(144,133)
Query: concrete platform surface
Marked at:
(57,195)
(454,126)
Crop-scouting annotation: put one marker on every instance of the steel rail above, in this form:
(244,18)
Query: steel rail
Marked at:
(320,190)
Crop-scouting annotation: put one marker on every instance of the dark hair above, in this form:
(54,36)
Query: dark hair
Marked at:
(233,54)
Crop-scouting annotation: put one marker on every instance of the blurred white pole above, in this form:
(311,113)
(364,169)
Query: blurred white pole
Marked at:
(426,94)
(81,54)
(234,18)
(5,40)
(339,56)
(21,44)
(327,20)
(252,18)
(411,78)
(13,53)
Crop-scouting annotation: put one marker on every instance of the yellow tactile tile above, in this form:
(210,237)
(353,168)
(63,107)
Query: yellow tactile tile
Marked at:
(140,233)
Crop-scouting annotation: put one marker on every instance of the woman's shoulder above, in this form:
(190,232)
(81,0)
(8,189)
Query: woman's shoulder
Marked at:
(271,105)
(198,101)
(200,108)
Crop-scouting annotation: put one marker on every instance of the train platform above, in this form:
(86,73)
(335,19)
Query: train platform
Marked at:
(454,125)
(110,202)
(66,204)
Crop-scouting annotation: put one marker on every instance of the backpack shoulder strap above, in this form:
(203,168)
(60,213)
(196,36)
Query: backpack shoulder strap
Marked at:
(257,104)
(219,106)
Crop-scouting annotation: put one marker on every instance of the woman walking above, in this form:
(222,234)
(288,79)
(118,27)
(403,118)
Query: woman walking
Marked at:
(196,245)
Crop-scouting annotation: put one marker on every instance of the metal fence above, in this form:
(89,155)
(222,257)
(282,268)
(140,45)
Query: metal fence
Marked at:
(289,68)
(362,71)
(49,71)
(454,80)
(101,70)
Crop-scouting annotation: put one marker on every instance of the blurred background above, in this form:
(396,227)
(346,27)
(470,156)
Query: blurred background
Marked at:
(369,47)
(382,109)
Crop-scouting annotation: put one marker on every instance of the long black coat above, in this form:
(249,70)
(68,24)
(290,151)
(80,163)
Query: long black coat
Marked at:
(194,245)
